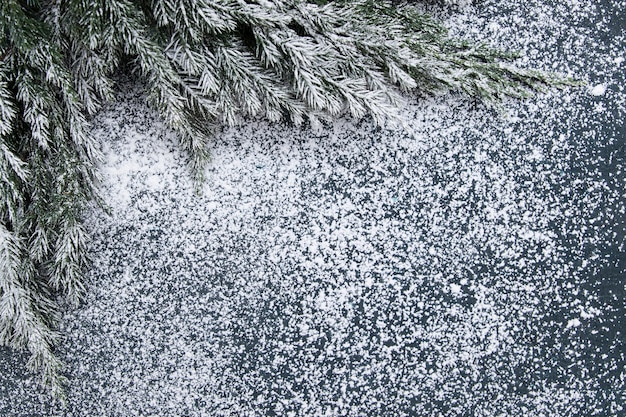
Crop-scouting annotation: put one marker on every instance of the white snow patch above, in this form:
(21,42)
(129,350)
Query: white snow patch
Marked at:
(155,183)
(598,90)
(455,289)
(572,323)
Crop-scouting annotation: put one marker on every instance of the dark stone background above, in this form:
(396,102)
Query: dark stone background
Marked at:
(472,268)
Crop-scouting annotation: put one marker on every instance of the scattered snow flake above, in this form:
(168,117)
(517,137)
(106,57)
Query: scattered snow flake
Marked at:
(598,90)
(573,323)
(368,282)
(455,289)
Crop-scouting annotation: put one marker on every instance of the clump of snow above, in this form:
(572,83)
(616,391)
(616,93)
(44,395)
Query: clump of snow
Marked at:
(598,90)
(573,323)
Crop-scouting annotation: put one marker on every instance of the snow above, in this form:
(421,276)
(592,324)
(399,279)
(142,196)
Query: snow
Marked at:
(598,90)
(573,323)
(449,269)
(455,289)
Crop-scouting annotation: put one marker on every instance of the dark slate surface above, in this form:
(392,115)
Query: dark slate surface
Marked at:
(471,264)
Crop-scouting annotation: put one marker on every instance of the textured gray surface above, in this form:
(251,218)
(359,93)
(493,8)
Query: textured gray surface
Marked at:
(472,267)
